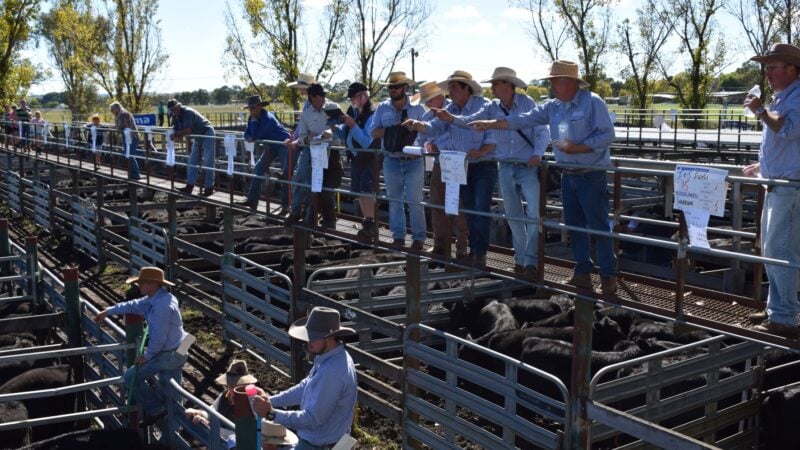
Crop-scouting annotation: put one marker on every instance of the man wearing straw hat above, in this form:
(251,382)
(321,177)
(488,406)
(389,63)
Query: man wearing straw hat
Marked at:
(582,133)
(263,126)
(327,396)
(779,158)
(404,174)
(165,334)
(188,121)
(433,97)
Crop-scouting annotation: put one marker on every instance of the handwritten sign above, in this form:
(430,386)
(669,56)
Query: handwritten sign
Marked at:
(454,174)
(700,188)
(697,225)
(319,162)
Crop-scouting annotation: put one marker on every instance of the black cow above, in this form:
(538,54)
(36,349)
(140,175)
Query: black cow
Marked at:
(13,412)
(120,439)
(779,418)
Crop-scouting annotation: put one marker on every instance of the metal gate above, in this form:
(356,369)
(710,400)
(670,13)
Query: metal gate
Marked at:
(12,187)
(149,245)
(41,204)
(255,306)
(84,233)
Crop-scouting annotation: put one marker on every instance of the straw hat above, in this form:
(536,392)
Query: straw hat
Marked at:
(276,434)
(321,323)
(255,100)
(236,375)
(566,69)
(396,78)
(464,77)
(304,80)
(150,275)
(506,74)
(787,53)
(427,90)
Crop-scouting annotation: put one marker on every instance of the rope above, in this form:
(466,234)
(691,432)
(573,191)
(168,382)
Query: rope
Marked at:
(135,369)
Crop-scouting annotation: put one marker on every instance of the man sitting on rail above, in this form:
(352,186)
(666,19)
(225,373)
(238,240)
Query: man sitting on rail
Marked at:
(165,329)
(327,396)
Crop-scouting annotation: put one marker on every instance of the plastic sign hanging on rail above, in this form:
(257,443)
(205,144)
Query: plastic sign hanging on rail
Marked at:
(319,162)
(454,173)
(230,151)
(700,193)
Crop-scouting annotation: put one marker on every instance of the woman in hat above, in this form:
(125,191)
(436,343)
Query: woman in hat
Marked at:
(165,329)
(327,396)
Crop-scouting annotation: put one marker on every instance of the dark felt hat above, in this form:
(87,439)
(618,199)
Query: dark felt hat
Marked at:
(316,89)
(322,322)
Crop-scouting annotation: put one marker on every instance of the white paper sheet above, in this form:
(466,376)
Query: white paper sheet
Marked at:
(230,152)
(451,198)
(454,169)
(700,187)
(93,132)
(697,224)
(319,162)
(66,135)
(170,148)
(46,129)
(250,147)
(127,135)
(411,150)
(429,160)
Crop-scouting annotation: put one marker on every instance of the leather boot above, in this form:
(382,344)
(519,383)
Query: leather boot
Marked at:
(608,285)
(580,280)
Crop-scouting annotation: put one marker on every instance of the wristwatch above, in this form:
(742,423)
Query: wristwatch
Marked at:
(271,416)
(761,110)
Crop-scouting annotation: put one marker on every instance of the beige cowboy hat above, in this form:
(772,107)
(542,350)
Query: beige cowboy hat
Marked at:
(464,77)
(321,323)
(787,53)
(150,275)
(396,78)
(236,375)
(566,69)
(506,74)
(276,434)
(304,80)
(427,90)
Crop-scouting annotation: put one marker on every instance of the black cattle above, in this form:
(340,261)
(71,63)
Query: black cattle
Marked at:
(483,319)
(665,331)
(532,310)
(779,418)
(119,439)
(15,341)
(13,412)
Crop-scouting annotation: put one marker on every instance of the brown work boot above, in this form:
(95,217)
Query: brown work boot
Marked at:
(417,245)
(757,317)
(608,285)
(580,280)
(787,331)
(186,189)
(519,271)
(399,242)
(531,274)
(368,231)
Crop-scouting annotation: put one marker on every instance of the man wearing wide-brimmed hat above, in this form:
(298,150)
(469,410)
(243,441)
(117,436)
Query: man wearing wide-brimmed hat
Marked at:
(582,133)
(263,126)
(327,396)
(467,99)
(779,158)
(404,174)
(165,330)
(303,82)
(188,121)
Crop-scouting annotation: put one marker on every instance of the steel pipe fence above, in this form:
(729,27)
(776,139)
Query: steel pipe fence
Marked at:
(84,226)
(149,245)
(208,436)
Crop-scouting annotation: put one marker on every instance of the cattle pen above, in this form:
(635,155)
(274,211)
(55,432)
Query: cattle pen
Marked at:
(411,367)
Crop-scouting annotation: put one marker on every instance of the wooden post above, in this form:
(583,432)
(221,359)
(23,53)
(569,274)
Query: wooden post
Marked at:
(413,315)
(297,308)
(581,372)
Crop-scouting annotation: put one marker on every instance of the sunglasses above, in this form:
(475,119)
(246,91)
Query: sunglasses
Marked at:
(397,86)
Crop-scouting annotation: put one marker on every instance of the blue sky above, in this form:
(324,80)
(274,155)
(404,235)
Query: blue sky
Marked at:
(471,35)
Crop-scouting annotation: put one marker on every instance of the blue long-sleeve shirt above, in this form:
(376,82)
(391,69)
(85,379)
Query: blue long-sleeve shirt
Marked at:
(386,115)
(265,127)
(327,398)
(163,317)
(430,135)
(462,138)
(587,122)
(779,155)
(510,145)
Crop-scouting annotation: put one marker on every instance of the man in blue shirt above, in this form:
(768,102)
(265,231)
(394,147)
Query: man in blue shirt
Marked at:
(187,121)
(582,132)
(779,158)
(327,396)
(403,174)
(263,126)
(165,330)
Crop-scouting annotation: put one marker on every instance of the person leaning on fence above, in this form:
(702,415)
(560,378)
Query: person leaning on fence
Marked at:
(98,142)
(165,334)
(262,126)
(403,174)
(327,396)
(187,121)
(779,158)
(236,375)
(123,120)
(583,132)
(363,163)
(24,121)
(37,130)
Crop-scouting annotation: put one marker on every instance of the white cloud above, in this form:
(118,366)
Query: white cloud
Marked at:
(315,4)
(516,13)
(462,12)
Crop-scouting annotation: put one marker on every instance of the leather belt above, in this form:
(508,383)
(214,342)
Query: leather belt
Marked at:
(569,171)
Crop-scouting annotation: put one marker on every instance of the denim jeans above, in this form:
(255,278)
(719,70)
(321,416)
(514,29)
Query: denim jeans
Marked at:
(404,180)
(209,152)
(585,198)
(780,235)
(302,174)
(270,154)
(516,178)
(477,196)
(153,399)
(133,164)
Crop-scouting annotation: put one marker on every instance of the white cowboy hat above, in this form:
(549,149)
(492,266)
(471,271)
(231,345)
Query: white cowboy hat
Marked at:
(276,434)
(427,91)
(506,74)
(396,78)
(464,77)
(566,69)
(304,80)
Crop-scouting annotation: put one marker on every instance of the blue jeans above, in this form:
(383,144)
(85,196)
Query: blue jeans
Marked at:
(302,174)
(404,180)
(209,152)
(153,399)
(585,198)
(133,164)
(516,178)
(270,154)
(780,235)
(477,196)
